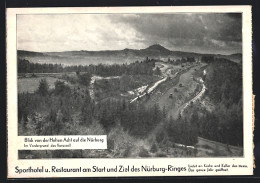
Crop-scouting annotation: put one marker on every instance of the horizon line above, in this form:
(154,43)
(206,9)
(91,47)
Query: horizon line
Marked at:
(129,49)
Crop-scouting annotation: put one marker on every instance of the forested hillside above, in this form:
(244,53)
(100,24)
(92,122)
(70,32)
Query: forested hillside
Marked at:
(224,89)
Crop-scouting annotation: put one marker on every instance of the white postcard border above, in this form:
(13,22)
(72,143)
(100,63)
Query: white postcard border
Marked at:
(14,162)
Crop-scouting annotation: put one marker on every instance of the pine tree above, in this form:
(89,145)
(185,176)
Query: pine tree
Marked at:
(43,87)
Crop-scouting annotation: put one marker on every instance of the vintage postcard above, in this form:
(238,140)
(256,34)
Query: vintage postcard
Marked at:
(129,91)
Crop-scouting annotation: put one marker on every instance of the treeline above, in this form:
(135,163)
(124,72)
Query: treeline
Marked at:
(136,68)
(182,60)
(24,66)
(140,68)
(205,59)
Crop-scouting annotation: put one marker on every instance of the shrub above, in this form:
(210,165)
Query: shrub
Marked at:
(127,151)
(110,144)
(120,142)
(154,148)
(84,79)
(206,146)
(94,129)
(143,152)
(43,87)
(157,71)
(61,88)
(160,154)
(160,136)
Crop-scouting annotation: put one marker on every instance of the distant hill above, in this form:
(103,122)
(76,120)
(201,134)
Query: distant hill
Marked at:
(22,53)
(113,56)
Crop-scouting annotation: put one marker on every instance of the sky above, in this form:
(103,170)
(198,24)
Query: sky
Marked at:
(218,33)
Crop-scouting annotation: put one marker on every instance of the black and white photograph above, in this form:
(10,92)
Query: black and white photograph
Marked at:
(129,91)
(158,85)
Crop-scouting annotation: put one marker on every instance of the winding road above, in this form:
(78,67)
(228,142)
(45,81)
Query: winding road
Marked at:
(178,82)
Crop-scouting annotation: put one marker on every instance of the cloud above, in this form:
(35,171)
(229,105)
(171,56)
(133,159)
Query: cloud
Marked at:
(212,32)
(183,30)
